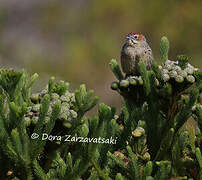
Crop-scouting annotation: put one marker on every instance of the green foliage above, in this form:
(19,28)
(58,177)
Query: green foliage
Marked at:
(183,61)
(164,48)
(116,69)
(46,135)
(25,120)
(84,100)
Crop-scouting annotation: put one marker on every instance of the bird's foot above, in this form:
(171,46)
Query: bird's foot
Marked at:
(131,77)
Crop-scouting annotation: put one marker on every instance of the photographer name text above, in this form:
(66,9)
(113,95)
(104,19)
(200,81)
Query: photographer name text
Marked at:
(79,139)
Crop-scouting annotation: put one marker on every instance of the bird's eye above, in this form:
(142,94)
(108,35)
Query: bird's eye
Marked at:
(136,36)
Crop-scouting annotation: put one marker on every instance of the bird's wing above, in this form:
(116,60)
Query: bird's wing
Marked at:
(124,61)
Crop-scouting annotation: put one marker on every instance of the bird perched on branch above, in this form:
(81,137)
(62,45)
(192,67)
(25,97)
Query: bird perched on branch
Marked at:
(134,50)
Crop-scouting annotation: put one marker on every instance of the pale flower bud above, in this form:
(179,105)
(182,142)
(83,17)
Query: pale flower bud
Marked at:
(168,67)
(173,74)
(160,67)
(164,71)
(179,79)
(190,78)
(165,77)
(168,62)
(182,73)
(139,131)
(189,70)
(177,68)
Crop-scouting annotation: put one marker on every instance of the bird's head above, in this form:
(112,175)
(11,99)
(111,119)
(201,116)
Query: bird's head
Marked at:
(134,38)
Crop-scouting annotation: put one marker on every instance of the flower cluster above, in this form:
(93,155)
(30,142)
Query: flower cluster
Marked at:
(66,113)
(173,69)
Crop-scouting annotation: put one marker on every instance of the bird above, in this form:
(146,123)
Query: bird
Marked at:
(134,50)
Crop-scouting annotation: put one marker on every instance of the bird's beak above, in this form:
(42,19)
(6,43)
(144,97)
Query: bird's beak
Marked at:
(131,40)
(128,38)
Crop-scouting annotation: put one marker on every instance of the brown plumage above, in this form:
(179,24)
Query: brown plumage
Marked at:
(134,50)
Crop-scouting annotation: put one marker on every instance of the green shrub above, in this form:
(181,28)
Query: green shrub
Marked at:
(46,135)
